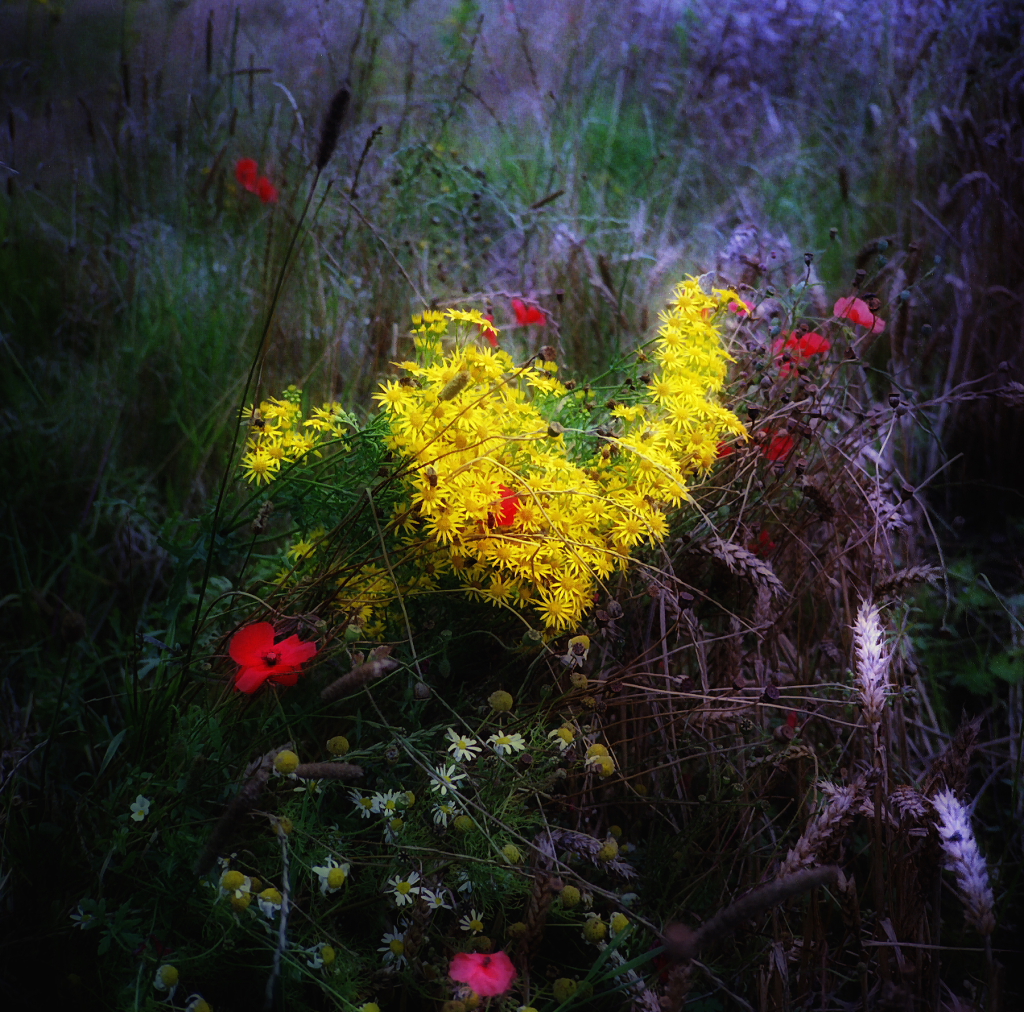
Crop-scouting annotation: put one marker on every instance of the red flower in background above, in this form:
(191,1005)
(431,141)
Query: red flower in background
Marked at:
(780,447)
(762,545)
(741,308)
(263,660)
(527,315)
(505,515)
(266,190)
(247,172)
(487,973)
(858,312)
(800,348)
(491,332)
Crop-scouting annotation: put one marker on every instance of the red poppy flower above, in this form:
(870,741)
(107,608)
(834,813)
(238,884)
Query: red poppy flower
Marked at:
(800,348)
(762,545)
(246,171)
(526,315)
(263,660)
(791,719)
(505,515)
(725,450)
(489,332)
(266,190)
(741,308)
(858,311)
(487,973)
(780,447)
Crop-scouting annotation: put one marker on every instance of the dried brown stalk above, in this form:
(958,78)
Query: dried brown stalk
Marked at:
(378,664)
(328,771)
(256,776)
(685,943)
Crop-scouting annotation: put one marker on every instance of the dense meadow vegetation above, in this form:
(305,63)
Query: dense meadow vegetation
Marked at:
(511,505)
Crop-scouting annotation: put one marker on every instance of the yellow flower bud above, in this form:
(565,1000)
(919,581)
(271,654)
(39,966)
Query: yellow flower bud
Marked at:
(609,851)
(471,1001)
(516,930)
(336,878)
(564,988)
(240,903)
(596,749)
(232,880)
(283,825)
(616,831)
(512,853)
(619,922)
(500,700)
(570,896)
(338,745)
(594,929)
(167,975)
(327,954)
(603,765)
(463,823)
(286,762)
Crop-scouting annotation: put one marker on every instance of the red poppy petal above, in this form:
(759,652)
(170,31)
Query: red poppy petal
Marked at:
(283,677)
(246,171)
(249,644)
(248,680)
(535,315)
(294,651)
(266,190)
(519,308)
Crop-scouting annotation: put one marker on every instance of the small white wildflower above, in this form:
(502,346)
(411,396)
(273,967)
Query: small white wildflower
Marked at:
(436,900)
(445,779)
(465,883)
(312,786)
(363,803)
(166,979)
(462,746)
(84,919)
(563,737)
(506,743)
(332,875)
(405,888)
(473,921)
(269,902)
(387,804)
(393,947)
(140,808)
(444,813)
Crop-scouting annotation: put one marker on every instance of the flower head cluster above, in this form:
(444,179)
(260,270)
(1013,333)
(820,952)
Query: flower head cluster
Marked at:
(278,435)
(518,514)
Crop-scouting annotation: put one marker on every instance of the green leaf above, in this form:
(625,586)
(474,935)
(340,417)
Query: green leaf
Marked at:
(115,744)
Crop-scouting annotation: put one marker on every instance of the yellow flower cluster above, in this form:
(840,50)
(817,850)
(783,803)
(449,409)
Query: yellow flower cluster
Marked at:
(494,495)
(278,435)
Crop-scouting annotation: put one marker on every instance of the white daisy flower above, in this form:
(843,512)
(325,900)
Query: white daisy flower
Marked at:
(462,746)
(563,737)
(393,947)
(405,888)
(438,900)
(387,804)
(473,921)
(506,743)
(363,803)
(84,919)
(332,875)
(445,779)
(269,902)
(166,979)
(444,813)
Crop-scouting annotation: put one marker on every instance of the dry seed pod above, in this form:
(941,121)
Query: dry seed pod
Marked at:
(380,663)
(742,562)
